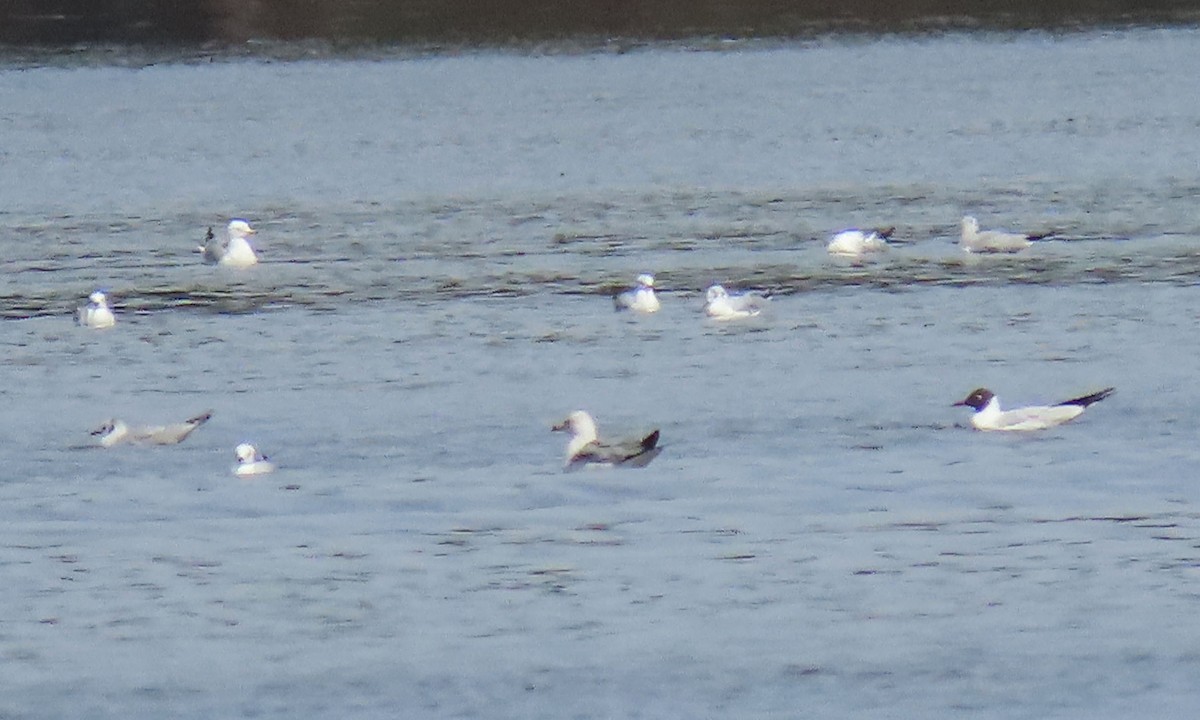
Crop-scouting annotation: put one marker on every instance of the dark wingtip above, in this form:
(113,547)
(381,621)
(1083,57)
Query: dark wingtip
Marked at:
(650,441)
(1086,400)
(886,233)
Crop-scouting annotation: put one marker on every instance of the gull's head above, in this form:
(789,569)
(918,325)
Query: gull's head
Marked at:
(239,228)
(245,453)
(645,280)
(578,423)
(978,399)
(716,292)
(970,225)
(98,298)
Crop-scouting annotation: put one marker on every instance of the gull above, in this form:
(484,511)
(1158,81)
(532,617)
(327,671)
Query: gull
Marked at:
(586,449)
(97,313)
(856,243)
(251,461)
(989,416)
(721,305)
(235,250)
(640,298)
(993,241)
(114,432)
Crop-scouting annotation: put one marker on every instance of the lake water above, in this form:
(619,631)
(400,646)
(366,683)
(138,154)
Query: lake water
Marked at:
(823,536)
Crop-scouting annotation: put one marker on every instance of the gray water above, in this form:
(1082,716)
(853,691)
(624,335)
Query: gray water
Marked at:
(823,536)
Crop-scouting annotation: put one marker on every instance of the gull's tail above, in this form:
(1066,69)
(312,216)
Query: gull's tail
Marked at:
(650,441)
(199,419)
(1089,399)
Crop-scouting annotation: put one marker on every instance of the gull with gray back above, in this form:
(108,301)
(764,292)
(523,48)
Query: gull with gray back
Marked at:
(586,449)
(234,250)
(989,416)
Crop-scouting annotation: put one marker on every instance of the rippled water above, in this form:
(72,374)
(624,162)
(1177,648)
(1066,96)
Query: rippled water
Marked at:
(822,536)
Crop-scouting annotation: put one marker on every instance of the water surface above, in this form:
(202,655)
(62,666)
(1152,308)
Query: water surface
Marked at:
(822,536)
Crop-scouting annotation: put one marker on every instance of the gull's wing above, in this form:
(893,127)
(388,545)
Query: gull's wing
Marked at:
(998,241)
(1037,417)
(748,302)
(174,433)
(1085,400)
(213,248)
(630,453)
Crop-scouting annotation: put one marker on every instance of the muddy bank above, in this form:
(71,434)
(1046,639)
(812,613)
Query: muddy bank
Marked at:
(503,22)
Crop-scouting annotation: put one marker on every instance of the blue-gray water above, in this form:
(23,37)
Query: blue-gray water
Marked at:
(823,536)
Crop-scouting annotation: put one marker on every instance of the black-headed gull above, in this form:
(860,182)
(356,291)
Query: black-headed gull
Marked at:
(586,449)
(640,298)
(989,416)
(115,432)
(856,243)
(974,240)
(97,313)
(234,250)
(251,462)
(720,305)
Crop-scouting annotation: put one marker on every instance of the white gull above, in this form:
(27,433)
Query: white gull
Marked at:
(97,313)
(640,298)
(719,304)
(856,243)
(972,239)
(251,462)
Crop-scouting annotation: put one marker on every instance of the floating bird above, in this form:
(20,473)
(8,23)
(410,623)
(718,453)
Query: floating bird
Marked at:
(993,241)
(856,243)
(115,432)
(586,449)
(989,416)
(719,304)
(235,250)
(640,298)
(251,461)
(97,313)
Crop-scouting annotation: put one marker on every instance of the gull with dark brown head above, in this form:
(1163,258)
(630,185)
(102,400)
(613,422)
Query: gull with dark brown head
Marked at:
(989,416)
